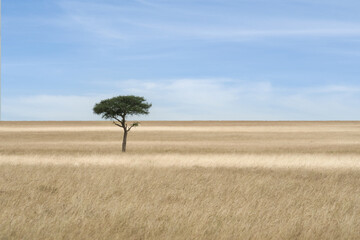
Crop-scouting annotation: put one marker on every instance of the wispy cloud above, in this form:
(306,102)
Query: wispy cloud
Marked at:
(144,21)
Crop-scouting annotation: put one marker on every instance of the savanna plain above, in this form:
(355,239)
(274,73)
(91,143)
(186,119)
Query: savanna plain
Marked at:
(180,180)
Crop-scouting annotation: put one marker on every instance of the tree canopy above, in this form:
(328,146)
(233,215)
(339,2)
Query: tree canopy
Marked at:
(122,106)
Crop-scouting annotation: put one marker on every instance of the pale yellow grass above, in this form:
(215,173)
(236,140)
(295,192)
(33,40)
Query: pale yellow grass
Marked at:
(285,161)
(180,180)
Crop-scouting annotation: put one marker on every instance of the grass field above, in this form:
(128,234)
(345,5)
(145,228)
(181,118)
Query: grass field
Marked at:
(180,180)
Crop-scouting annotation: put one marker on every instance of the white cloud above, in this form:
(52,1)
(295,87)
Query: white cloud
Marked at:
(336,89)
(199,99)
(49,107)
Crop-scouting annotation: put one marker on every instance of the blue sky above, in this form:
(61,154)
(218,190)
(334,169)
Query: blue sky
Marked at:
(193,59)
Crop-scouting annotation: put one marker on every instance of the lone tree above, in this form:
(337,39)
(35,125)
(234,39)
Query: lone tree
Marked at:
(118,108)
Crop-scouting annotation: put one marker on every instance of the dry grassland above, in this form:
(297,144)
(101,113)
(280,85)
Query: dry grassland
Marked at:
(180,180)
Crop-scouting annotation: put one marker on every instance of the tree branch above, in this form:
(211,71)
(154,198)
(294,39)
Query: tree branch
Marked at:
(135,124)
(117,119)
(117,124)
(121,123)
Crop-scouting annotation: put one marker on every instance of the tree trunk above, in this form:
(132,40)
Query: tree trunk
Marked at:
(124,141)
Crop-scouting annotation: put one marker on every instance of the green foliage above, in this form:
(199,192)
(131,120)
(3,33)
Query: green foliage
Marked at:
(121,106)
(135,124)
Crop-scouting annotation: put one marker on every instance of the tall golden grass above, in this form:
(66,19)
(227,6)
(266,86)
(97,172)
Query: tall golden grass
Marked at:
(180,180)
